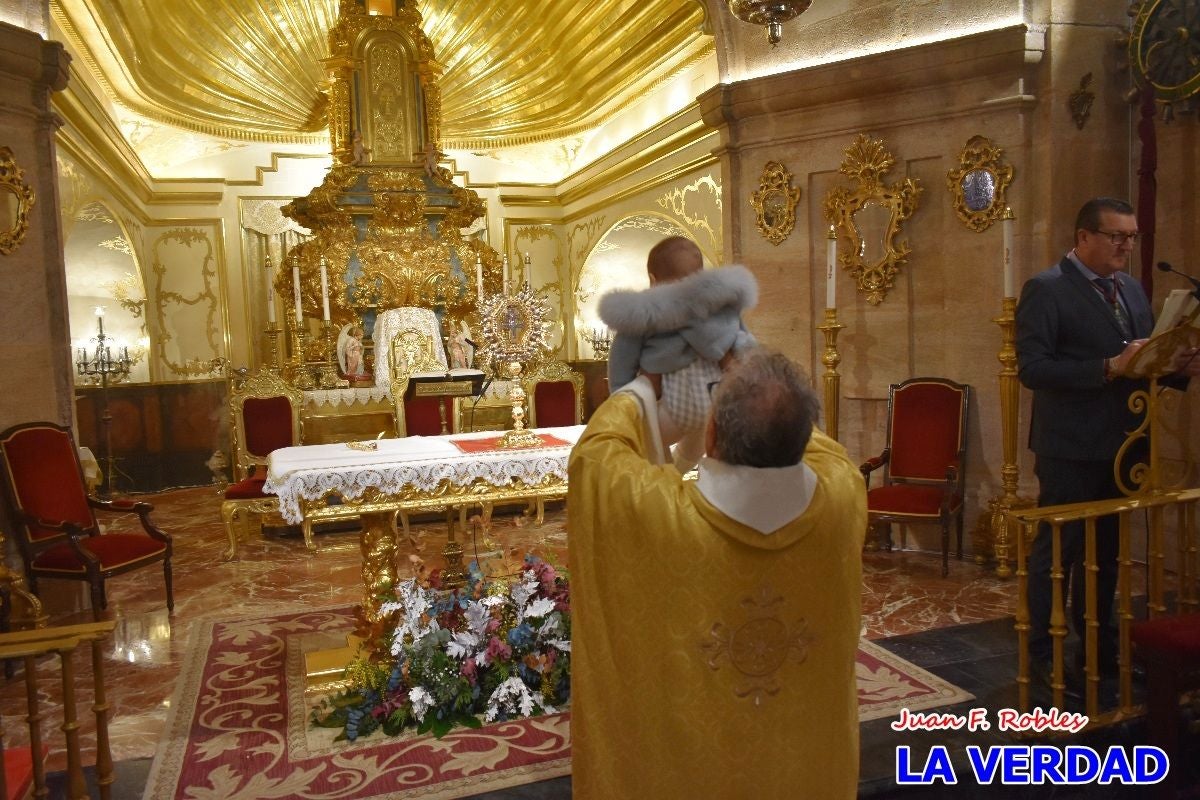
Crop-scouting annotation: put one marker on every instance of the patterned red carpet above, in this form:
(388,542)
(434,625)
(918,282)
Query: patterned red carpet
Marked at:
(239,724)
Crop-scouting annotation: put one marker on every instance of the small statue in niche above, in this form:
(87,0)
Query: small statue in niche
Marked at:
(358,150)
(431,160)
(461,349)
(350,352)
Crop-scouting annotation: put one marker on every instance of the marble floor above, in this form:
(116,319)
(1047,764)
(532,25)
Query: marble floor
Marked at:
(903,593)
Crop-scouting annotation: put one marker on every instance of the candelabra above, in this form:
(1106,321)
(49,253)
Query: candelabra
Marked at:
(328,370)
(601,341)
(993,525)
(103,366)
(833,381)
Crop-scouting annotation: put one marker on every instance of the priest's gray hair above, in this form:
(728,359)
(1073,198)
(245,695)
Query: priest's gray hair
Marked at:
(763,411)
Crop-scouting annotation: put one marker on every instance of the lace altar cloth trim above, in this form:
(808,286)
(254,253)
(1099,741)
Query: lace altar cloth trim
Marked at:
(312,472)
(490,444)
(345,397)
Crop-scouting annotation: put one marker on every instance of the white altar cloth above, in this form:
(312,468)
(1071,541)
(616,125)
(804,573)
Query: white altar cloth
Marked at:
(311,472)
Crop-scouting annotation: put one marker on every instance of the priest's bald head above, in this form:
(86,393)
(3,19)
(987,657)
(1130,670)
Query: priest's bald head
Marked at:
(763,412)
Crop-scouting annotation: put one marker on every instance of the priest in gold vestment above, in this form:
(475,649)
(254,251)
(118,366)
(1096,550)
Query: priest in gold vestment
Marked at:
(715,622)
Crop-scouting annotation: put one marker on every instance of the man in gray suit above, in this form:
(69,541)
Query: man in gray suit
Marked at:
(1078,325)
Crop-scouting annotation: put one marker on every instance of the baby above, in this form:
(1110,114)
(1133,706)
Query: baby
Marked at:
(350,351)
(682,327)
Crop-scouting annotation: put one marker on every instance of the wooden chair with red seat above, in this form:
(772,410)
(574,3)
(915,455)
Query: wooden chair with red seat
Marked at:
(1169,648)
(554,399)
(266,416)
(554,395)
(56,527)
(924,460)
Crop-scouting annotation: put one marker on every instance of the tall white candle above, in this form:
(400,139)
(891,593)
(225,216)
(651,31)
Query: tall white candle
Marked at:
(507,270)
(831,269)
(296,289)
(1006,225)
(479,275)
(324,291)
(270,292)
(528,264)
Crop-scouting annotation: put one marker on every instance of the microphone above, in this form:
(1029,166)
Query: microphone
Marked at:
(1165,267)
(468,341)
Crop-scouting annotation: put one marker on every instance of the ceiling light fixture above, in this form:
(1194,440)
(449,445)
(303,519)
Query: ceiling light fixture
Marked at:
(772,13)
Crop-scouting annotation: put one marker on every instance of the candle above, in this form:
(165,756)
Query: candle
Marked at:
(831,269)
(296,289)
(479,275)
(528,263)
(1006,225)
(324,291)
(270,293)
(506,273)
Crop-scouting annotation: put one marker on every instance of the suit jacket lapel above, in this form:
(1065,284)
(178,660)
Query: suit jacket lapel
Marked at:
(1092,298)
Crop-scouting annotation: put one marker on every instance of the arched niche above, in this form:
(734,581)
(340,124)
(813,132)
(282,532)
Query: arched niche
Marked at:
(618,261)
(102,271)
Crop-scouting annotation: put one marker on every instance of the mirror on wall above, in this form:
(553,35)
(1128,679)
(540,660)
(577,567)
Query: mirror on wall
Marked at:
(870,214)
(978,185)
(618,261)
(16,198)
(102,272)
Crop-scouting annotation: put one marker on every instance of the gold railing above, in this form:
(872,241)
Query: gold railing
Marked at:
(1183,578)
(31,647)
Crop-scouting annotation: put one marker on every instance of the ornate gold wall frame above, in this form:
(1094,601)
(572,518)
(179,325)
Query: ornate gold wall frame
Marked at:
(16,198)
(979,183)
(775,203)
(869,215)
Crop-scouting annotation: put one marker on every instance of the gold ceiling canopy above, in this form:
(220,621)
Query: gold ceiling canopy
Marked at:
(515,71)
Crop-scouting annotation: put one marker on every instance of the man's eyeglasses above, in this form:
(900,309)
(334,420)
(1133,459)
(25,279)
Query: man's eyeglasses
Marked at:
(712,386)
(1118,238)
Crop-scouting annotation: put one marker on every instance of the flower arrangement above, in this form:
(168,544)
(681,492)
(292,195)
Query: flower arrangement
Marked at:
(496,648)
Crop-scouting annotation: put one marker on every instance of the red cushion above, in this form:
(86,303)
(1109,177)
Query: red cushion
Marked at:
(43,466)
(421,416)
(926,430)
(1174,637)
(906,499)
(247,488)
(113,549)
(555,404)
(18,770)
(267,422)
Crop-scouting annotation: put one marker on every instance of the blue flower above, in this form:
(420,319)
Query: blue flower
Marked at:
(521,636)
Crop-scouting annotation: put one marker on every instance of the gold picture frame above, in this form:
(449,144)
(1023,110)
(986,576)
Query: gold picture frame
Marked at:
(775,203)
(869,215)
(979,183)
(16,198)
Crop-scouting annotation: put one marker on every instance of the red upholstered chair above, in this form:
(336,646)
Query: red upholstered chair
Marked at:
(554,396)
(55,519)
(1169,647)
(925,458)
(266,416)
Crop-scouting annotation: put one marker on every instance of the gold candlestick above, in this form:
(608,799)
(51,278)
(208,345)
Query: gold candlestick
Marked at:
(833,381)
(273,332)
(518,436)
(992,528)
(328,371)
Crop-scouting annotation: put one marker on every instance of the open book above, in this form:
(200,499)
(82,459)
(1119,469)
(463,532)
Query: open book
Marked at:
(1179,306)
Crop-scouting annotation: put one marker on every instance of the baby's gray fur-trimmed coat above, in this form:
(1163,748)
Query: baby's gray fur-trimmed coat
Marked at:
(670,325)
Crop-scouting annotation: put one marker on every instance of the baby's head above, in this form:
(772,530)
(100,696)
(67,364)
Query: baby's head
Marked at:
(357,331)
(673,259)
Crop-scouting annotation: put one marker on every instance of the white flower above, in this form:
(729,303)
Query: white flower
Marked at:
(550,625)
(477,615)
(561,644)
(511,696)
(539,608)
(421,701)
(462,645)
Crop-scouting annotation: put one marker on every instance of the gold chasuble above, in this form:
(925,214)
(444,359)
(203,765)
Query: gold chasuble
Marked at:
(709,660)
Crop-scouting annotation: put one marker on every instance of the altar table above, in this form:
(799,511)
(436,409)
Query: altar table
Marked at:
(324,482)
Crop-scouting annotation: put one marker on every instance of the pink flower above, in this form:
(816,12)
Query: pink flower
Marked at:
(468,670)
(492,626)
(498,650)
